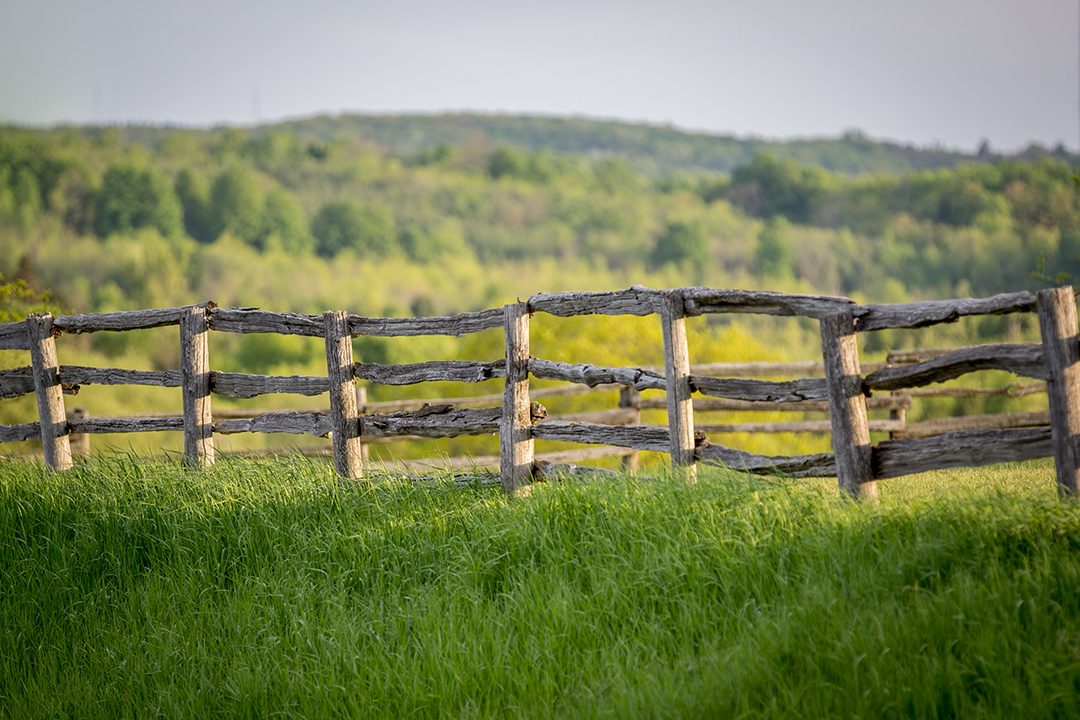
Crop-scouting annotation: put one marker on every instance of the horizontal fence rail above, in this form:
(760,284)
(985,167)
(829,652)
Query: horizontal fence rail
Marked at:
(845,391)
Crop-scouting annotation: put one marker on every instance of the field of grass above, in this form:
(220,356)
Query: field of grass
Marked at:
(134,588)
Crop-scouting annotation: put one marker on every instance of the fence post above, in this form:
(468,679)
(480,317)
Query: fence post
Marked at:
(361,408)
(847,406)
(55,445)
(345,419)
(195,378)
(680,405)
(1057,323)
(80,442)
(515,425)
(630,398)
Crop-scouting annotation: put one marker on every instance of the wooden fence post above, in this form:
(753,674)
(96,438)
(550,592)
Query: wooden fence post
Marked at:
(515,425)
(847,407)
(195,379)
(1057,322)
(80,442)
(680,405)
(630,398)
(55,445)
(361,408)
(345,419)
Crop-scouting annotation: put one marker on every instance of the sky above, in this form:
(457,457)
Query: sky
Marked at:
(928,72)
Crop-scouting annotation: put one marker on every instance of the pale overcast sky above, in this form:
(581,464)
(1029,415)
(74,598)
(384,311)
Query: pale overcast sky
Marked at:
(923,71)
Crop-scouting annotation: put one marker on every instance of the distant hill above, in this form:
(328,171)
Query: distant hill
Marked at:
(656,150)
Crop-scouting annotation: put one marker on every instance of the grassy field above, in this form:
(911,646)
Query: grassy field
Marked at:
(130,588)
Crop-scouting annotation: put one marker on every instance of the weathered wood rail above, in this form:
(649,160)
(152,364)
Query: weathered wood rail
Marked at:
(519,420)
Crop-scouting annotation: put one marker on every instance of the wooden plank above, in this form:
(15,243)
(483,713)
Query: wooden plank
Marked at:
(761,390)
(1058,327)
(436,370)
(254,320)
(17,382)
(1023,360)
(893,458)
(679,389)
(639,437)
(760,369)
(18,433)
(99,425)
(55,444)
(435,421)
(118,321)
(933,312)
(14,336)
(713,300)
(297,422)
(847,407)
(594,375)
(344,415)
(635,300)
(996,421)
(195,383)
(242,385)
(491,462)
(80,375)
(795,426)
(820,465)
(515,421)
(80,442)
(453,325)
(883,402)
(1013,390)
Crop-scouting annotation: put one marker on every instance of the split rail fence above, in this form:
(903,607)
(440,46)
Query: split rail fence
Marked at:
(518,420)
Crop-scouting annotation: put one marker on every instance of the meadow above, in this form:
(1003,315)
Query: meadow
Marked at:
(133,587)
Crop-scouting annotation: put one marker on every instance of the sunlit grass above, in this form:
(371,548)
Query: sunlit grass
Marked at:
(135,588)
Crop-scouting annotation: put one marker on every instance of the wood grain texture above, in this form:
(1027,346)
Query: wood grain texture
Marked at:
(971,448)
(254,320)
(491,462)
(99,425)
(700,300)
(80,375)
(344,414)
(297,422)
(639,437)
(1061,348)
(435,370)
(52,417)
(847,407)
(242,385)
(679,389)
(635,300)
(516,445)
(998,421)
(934,312)
(118,321)
(1023,360)
(882,402)
(435,421)
(594,375)
(195,384)
(794,426)
(761,390)
(18,433)
(14,336)
(453,325)
(821,465)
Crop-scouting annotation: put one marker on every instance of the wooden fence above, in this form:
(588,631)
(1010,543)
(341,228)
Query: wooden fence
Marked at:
(519,420)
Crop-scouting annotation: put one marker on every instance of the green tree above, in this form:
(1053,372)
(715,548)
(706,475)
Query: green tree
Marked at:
(236,205)
(773,257)
(286,223)
(680,242)
(193,191)
(133,197)
(344,225)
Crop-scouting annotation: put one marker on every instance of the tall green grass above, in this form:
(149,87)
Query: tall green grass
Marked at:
(130,588)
